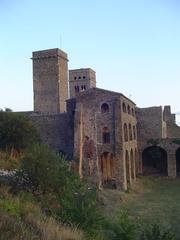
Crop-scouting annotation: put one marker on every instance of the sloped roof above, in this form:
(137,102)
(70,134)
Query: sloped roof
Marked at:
(92,90)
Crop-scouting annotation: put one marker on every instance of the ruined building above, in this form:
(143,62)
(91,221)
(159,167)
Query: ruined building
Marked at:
(109,138)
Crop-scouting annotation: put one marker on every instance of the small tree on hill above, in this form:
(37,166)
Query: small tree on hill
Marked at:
(16,131)
(46,170)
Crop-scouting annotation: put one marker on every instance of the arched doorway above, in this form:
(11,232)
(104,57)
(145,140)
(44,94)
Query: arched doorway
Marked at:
(178,162)
(132,165)
(128,172)
(107,167)
(154,160)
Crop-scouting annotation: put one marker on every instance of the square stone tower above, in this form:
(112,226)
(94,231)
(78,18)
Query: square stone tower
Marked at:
(50,80)
(81,80)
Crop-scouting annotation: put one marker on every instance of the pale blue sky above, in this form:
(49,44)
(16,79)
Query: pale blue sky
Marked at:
(133,45)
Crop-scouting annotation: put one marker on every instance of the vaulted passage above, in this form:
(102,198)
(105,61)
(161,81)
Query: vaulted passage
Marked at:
(178,162)
(154,161)
(107,167)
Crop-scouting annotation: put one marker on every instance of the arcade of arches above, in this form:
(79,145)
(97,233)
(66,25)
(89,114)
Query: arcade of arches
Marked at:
(155,161)
(132,167)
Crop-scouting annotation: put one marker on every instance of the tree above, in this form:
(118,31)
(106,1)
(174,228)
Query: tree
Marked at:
(16,131)
(46,170)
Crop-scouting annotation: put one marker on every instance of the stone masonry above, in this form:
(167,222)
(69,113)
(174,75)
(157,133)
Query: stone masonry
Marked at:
(103,132)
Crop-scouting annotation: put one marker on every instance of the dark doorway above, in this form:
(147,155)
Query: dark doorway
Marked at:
(108,168)
(178,162)
(154,161)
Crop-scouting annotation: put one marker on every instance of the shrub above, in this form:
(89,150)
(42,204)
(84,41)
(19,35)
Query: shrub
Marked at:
(79,205)
(46,170)
(16,131)
(123,227)
(154,232)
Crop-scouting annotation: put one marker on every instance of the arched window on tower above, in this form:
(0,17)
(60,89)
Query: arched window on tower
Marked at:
(106,135)
(76,89)
(104,108)
(83,87)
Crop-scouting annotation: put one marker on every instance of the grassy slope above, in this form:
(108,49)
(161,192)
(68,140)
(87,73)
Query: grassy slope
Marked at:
(22,218)
(149,199)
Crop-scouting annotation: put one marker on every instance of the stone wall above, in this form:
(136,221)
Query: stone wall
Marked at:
(91,120)
(130,149)
(50,81)
(149,124)
(56,130)
(173,130)
(80,80)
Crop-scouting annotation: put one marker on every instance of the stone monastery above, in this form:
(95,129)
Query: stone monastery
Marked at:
(108,137)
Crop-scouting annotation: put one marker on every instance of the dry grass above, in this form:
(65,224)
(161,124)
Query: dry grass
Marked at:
(48,228)
(22,219)
(10,161)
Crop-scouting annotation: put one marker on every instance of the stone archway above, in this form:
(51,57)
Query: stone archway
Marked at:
(154,160)
(107,167)
(178,162)
(132,159)
(128,172)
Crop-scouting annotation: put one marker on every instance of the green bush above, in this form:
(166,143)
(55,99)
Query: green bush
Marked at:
(16,131)
(123,227)
(154,232)
(11,207)
(46,170)
(79,205)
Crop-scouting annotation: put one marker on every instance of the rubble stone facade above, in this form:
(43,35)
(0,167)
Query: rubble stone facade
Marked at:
(110,139)
(81,80)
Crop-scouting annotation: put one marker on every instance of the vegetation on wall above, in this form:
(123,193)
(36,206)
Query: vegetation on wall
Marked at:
(176,141)
(153,142)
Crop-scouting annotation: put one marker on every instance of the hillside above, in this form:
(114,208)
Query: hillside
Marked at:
(151,199)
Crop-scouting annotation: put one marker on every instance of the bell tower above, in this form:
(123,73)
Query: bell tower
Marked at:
(80,80)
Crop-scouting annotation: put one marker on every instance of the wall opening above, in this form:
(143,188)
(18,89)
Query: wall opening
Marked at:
(108,169)
(127,167)
(76,89)
(132,165)
(178,162)
(125,133)
(104,108)
(129,109)
(136,162)
(124,107)
(134,132)
(154,161)
(106,135)
(130,132)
